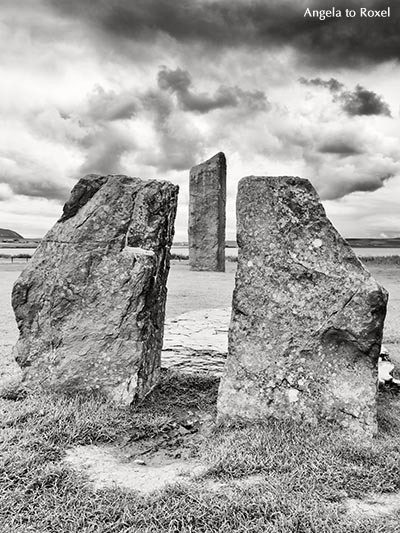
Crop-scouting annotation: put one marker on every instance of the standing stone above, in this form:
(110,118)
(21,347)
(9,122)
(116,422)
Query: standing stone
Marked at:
(90,304)
(207,199)
(307,317)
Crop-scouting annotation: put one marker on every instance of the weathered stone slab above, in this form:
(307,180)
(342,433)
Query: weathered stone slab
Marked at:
(207,200)
(307,317)
(90,304)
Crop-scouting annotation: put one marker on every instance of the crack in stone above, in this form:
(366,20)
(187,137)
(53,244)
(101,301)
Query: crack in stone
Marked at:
(323,327)
(341,410)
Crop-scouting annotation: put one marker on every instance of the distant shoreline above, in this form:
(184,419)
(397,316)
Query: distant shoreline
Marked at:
(34,243)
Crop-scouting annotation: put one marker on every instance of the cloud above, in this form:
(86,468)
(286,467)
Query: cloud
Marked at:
(179,82)
(110,106)
(349,160)
(5,191)
(219,24)
(332,84)
(23,175)
(154,128)
(361,214)
(105,146)
(341,147)
(338,155)
(361,101)
(96,127)
(178,144)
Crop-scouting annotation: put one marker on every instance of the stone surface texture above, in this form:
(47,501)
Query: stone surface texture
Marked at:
(90,304)
(207,200)
(307,317)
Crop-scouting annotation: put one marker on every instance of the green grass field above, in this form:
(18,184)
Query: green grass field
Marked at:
(304,475)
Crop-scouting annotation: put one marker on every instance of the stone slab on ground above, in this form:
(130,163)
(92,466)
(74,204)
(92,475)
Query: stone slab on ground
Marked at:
(307,317)
(197,341)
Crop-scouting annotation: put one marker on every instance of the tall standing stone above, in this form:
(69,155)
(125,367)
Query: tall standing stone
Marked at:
(307,317)
(90,304)
(207,200)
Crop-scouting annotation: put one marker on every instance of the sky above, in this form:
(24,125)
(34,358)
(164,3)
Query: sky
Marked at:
(149,88)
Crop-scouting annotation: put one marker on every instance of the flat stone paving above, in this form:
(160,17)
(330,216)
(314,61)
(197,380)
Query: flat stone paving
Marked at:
(197,341)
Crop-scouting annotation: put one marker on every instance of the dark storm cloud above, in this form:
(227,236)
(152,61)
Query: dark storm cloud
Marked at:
(332,84)
(361,101)
(333,41)
(179,82)
(339,147)
(356,182)
(41,189)
(25,176)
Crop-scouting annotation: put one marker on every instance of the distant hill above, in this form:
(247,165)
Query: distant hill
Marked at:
(8,234)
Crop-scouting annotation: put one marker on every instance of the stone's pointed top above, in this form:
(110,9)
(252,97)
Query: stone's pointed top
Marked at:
(220,156)
(90,184)
(81,193)
(218,159)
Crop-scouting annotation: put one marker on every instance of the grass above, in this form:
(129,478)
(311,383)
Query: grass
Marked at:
(303,475)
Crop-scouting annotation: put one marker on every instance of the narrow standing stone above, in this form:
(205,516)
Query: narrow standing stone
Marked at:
(207,199)
(307,317)
(90,304)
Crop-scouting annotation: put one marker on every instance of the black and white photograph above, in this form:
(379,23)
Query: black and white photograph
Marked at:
(199,266)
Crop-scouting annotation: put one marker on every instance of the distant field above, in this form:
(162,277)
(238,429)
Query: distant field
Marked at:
(374,243)
(355,243)
(20,244)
